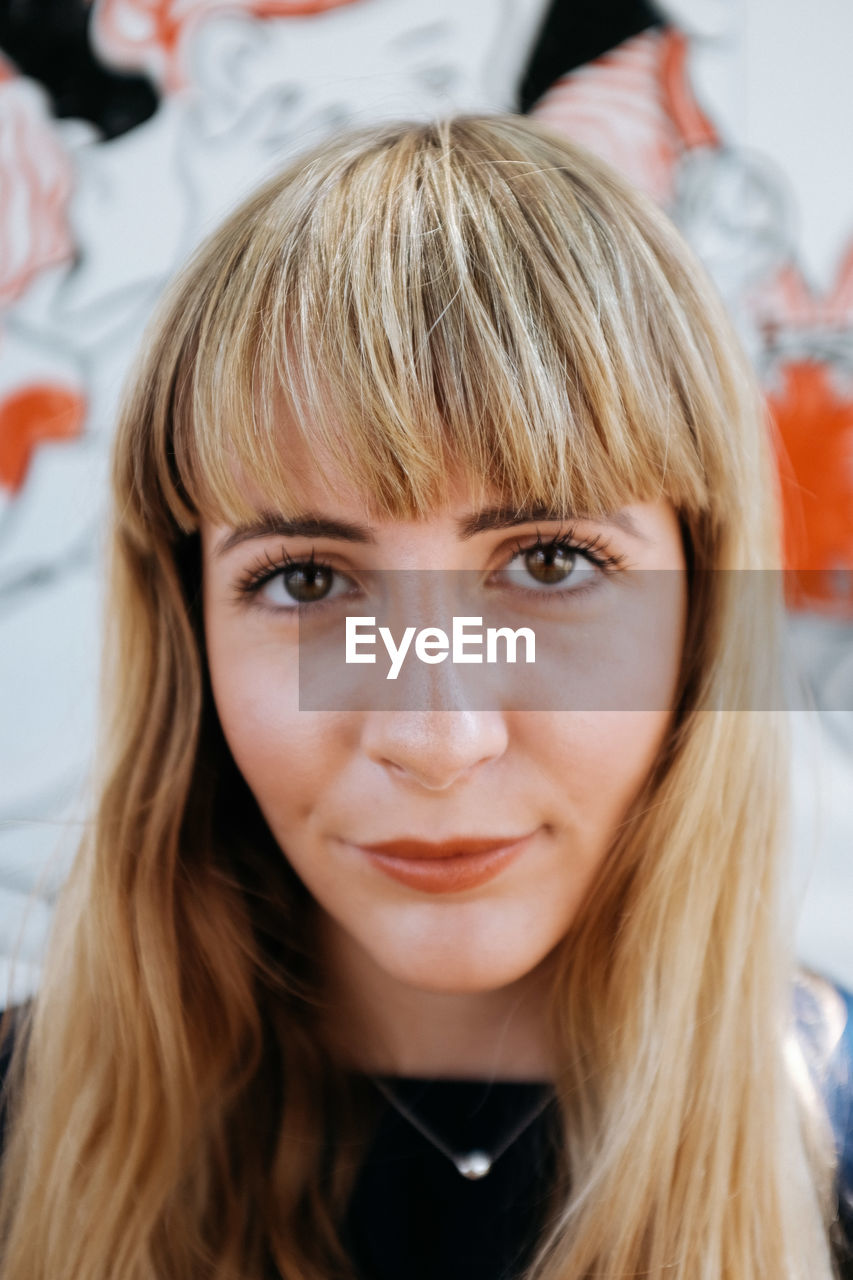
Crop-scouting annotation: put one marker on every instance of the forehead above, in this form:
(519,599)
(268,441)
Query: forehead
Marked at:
(320,483)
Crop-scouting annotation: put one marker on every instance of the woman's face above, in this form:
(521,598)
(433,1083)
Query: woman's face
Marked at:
(330,781)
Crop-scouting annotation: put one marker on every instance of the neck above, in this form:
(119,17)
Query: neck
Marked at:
(379,1025)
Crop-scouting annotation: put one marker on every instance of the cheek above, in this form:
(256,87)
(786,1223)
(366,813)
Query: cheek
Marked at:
(287,757)
(601,761)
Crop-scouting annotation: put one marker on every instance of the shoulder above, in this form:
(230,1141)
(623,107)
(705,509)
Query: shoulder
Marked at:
(11,1020)
(11,1028)
(823,1015)
(823,1020)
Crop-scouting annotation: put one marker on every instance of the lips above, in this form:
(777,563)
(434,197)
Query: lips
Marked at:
(410,848)
(447,867)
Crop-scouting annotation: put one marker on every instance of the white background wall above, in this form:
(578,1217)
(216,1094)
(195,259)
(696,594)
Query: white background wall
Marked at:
(84,268)
(776,76)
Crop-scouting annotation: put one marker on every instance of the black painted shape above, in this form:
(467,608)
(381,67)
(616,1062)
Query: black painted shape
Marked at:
(48,40)
(575,32)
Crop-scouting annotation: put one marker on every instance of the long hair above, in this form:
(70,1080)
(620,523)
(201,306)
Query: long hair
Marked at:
(412,298)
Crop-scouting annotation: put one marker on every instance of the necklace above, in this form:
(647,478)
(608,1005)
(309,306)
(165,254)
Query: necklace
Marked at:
(471,1164)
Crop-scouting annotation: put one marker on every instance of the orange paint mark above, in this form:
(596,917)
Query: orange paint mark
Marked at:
(294,8)
(815,459)
(167,28)
(842,295)
(694,126)
(33,414)
(786,301)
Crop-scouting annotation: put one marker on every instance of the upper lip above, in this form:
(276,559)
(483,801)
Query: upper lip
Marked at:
(410,847)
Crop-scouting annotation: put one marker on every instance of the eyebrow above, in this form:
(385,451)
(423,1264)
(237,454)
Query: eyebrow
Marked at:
(312,524)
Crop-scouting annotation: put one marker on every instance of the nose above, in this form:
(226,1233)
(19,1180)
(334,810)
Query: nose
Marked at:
(434,749)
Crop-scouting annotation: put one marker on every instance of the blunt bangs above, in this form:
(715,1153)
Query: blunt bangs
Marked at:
(417,298)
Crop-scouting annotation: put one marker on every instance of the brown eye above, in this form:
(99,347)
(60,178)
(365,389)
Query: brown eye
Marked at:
(307,583)
(285,586)
(550,564)
(561,569)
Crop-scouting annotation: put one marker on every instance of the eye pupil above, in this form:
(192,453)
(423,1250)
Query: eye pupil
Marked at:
(314,582)
(553,562)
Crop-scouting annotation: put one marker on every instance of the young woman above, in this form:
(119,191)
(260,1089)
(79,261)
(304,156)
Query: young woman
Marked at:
(494,985)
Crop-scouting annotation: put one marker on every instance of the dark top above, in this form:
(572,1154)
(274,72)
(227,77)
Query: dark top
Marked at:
(412,1213)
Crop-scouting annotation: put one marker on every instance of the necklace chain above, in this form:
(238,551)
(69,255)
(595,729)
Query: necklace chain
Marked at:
(472,1164)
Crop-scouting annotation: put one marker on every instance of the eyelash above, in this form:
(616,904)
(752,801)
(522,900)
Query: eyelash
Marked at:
(593,549)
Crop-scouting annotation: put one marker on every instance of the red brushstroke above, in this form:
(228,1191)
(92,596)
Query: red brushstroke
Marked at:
(815,459)
(31,415)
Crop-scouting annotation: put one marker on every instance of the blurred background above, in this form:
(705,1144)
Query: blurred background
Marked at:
(129,127)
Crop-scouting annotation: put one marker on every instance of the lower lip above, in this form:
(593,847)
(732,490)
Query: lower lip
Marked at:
(447,875)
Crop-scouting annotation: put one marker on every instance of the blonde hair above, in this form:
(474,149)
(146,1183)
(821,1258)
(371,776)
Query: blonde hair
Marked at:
(412,298)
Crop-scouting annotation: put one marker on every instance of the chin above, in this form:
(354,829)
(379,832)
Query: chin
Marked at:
(455,974)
